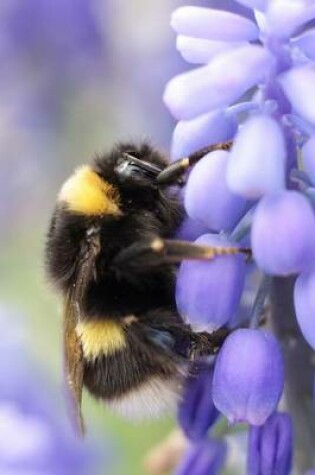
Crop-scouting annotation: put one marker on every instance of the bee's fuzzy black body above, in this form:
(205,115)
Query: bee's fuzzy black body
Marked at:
(132,336)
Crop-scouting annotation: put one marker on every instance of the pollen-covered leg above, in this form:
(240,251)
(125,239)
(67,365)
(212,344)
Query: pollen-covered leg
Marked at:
(175,170)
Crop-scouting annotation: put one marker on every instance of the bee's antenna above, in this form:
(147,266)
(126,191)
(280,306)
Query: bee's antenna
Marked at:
(175,170)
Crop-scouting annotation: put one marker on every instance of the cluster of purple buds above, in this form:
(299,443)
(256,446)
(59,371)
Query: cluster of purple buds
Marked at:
(255,86)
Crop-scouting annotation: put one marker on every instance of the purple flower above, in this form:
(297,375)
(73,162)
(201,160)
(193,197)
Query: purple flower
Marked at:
(248,376)
(249,54)
(283,18)
(196,412)
(298,86)
(204,458)
(214,25)
(245,175)
(270,446)
(191,229)
(208,292)
(207,196)
(216,84)
(304,299)
(259,4)
(283,234)
(306,43)
(191,135)
(266,60)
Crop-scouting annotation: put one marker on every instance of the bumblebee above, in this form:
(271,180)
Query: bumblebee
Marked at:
(111,255)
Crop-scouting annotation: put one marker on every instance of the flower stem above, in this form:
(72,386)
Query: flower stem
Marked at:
(260,299)
(299,368)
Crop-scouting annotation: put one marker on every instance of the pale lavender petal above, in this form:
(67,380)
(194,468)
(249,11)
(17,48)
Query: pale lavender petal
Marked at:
(284,17)
(308,153)
(201,51)
(208,292)
(191,229)
(306,42)
(283,234)
(257,165)
(219,83)
(207,197)
(207,129)
(304,299)
(213,24)
(298,85)
(258,4)
(248,376)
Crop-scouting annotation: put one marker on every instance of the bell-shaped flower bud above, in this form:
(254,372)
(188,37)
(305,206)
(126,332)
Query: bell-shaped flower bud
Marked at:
(196,411)
(283,234)
(304,300)
(207,197)
(306,43)
(257,166)
(201,51)
(225,79)
(205,458)
(212,24)
(284,17)
(257,4)
(270,446)
(308,153)
(248,376)
(298,85)
(208,292)
(207,129)
(191,229)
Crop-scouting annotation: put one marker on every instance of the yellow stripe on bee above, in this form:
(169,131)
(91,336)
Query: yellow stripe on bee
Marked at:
(85,192)
(100,338)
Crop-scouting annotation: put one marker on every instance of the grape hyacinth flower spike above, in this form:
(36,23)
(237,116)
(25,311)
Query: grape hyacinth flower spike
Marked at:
(253,84)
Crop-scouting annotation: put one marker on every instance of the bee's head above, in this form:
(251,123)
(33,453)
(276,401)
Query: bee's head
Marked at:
(132,170)
(116,182)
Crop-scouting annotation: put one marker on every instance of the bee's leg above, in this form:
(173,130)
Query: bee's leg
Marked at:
(204,344)
(147,254)
(166,330)
(173,173)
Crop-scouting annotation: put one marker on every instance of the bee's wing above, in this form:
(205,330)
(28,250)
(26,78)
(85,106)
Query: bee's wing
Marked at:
(73,354)
(73,363)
